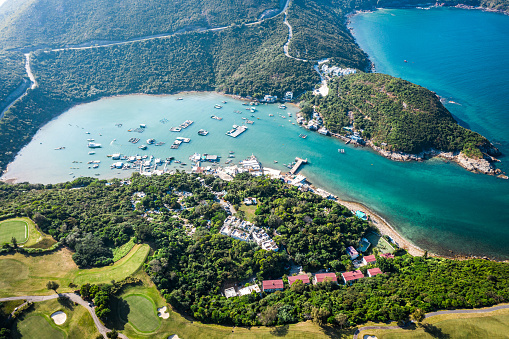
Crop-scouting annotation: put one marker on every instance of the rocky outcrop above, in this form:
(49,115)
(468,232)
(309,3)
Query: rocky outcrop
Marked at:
(484,165)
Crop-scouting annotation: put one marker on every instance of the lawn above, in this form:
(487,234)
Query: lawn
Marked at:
(27,275)
(249,210)
(37,322)
(184,328)
(489,325)
(380,243)
(16,228)
(37,326)
(140,312)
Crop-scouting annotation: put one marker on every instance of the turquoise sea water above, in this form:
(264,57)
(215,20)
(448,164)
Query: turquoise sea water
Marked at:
(440,207)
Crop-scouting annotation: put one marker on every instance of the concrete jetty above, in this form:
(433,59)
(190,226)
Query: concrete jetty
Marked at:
(299,162)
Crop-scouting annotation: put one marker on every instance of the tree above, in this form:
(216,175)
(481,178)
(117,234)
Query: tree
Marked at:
(341,319)
(418,315)
(52,285)
(14,242)
(113,334)
(268,317)
(320,315)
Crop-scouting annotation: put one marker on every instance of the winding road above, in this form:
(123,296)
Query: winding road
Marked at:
(90,45)
(429,315)
(74,297)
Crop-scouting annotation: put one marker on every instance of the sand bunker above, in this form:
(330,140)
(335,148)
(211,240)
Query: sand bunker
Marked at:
(175,336)
(59,317)
(370,337)
(161,312)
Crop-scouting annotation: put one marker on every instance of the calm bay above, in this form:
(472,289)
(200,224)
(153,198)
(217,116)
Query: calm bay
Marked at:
(438,206)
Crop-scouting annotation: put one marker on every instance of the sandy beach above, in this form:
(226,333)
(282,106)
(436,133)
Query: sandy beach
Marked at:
(384,227)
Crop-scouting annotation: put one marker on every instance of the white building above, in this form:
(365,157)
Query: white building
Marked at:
(289,96)
(270,98)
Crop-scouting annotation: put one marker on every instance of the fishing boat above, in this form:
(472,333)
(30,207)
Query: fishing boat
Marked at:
(90,140)
(282,106)
(216,117)
(59,148)
(217,106)
(231,152)
(160,143)
(143,147)
(175,129)
(275,161)
(271,115)
(231,156)
(303,136)
(93,145)
(180,98)
(253,109)
(91,153)
(203,132)
(151,141)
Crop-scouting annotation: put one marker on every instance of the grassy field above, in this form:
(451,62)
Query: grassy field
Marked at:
(249,210)
(13,228)
(489,325)
(28,275)
(37,323)
(177,324)
(140,312)
(380,243)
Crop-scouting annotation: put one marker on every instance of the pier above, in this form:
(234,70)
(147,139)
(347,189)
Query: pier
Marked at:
(299,162)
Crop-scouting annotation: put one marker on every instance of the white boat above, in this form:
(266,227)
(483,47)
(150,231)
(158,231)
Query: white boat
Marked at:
(151,141)
(93,145)
(203,132)
(253,109)
(143,125)
(90,140)
(175,129)
(91,153)
(218,106)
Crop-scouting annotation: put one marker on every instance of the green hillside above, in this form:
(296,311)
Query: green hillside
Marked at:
(396,115)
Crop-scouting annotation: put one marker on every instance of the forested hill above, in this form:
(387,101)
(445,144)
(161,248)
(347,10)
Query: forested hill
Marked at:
(396,115)
(61,22)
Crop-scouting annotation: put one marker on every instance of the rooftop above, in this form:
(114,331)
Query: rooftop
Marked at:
(352,275)
(303,277)
(374,271)
(321,277)
(272,284)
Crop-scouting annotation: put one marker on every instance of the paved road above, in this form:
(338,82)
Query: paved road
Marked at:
(429,315)
(74,297)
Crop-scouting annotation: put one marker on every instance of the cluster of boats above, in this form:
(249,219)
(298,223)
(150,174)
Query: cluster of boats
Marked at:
(178,141)
(182,126)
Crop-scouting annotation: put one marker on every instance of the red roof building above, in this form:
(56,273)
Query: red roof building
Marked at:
(321,277)
(303,277)
(350,277)
(369,259)
(272,285)
(374,271)
(387,255)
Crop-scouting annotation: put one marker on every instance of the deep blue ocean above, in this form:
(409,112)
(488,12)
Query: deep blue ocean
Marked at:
(462,55)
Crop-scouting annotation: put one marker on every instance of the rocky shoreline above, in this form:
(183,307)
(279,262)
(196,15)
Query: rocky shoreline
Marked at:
(484,165)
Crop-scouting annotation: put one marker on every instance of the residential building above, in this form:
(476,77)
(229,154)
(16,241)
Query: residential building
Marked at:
(272,285)
(374,271)
(369,259)
(321,277)
(270,98)
(303,277)
(352,252)
(230,292)
(247,290)
(350,277)
(289,96)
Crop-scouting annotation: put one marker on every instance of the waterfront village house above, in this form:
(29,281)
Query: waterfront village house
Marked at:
(272,285)
(270,98)
(289,96)
(352,252)
(369,259)
(350,277)
(387,255)
(321,277)
(374,271)
(303,277)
